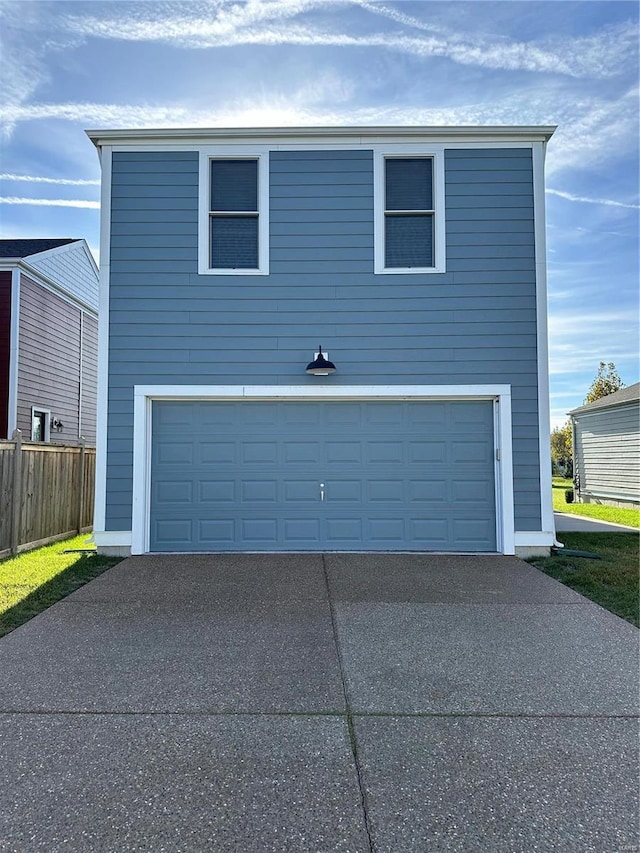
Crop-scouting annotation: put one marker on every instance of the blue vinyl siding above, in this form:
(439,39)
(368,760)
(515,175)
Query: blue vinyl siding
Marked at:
(474,324)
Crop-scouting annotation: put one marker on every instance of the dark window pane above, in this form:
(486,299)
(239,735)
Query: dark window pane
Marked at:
(234,242)
(234,185)
(409,183)
(408,241)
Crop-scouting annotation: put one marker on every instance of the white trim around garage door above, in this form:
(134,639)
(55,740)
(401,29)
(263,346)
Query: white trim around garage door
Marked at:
(144,395)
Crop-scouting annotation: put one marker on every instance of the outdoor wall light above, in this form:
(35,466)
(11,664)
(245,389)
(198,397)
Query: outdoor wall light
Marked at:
(320,366)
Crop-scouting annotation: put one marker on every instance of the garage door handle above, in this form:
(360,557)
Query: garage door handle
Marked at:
(321,491)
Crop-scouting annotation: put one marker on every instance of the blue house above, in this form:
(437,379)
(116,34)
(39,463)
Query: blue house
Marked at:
(415,257)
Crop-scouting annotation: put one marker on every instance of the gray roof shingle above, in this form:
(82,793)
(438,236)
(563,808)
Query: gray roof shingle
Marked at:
(24,248)
(624,395)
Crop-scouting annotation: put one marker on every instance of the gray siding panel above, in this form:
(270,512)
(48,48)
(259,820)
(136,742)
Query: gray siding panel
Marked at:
(476,323)
(607,453)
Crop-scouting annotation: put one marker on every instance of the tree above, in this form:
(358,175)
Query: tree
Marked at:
(562,449)
(606,382)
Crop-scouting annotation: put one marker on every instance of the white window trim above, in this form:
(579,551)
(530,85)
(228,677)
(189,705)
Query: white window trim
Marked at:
(436,152)
(47,422)
(239,152)
(145,395)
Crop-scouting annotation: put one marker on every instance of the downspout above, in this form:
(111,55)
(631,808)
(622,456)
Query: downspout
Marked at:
(80,368)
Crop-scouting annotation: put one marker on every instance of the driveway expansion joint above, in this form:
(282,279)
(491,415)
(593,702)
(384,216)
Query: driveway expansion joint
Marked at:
(352,732)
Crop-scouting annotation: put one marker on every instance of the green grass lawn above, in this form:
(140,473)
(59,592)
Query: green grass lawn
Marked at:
(612,582)
(34,580)
(615,515)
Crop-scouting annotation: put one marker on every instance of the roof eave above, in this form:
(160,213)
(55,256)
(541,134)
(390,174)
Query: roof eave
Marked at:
(529,133)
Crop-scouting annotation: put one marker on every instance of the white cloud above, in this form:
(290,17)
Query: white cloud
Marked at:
(222,25)
(38,179)
(51,202)
(586,200)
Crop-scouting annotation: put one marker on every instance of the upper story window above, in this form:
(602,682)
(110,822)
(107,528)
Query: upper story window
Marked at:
(409,213)
(233,214)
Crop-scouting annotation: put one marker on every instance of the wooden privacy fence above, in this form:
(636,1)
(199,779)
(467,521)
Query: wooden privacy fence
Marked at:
(46,492)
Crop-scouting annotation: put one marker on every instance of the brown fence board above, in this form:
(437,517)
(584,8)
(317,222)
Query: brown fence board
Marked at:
(54,495)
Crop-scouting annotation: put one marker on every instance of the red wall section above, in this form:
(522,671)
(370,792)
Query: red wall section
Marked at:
(5,344)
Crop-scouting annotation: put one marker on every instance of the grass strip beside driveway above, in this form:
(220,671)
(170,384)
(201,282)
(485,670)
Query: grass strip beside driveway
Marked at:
(34,580)
(612,582)
(614,515)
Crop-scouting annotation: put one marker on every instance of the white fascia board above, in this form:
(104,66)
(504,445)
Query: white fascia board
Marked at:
(99,511)
(294,135)
(14,349)
(544,407)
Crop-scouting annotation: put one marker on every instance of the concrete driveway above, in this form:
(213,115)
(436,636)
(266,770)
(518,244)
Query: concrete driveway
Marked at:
(566,523)
(320,703)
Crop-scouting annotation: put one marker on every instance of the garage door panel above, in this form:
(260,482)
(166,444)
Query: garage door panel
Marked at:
(472,491)
(386,491)
(427,452)
(431,490)
(174,491)
(301,452)
(216,532)
(302,531)
(301,491)
(470,451)
(344,415)
(433,414)
(343,531)
(259,452)
(343,491)
(217,452)
(343,452)
(471,532)
(432,533)
(217,491)
(385,452)
(174,532)
(259,491)
(395,475)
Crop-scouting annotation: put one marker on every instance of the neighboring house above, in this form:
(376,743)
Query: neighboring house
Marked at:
(606,449)
(48,340)
(414,256)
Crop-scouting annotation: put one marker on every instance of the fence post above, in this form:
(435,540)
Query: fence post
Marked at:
(81,462)
(17,490)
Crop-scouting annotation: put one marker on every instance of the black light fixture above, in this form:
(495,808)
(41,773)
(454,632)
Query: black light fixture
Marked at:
(320,366)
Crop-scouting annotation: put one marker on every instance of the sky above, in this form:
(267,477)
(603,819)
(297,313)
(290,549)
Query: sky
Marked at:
(69,66)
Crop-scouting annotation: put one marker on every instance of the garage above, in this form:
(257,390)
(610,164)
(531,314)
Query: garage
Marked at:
(309,475)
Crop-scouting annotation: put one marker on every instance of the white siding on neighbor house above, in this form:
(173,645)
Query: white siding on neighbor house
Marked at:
(70,268)
(607,452)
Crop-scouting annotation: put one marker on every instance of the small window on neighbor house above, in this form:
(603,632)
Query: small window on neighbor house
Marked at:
(40,424)
(234,214)
(409,213)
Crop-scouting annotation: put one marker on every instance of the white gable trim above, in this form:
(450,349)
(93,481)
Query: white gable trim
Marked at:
(144,395)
